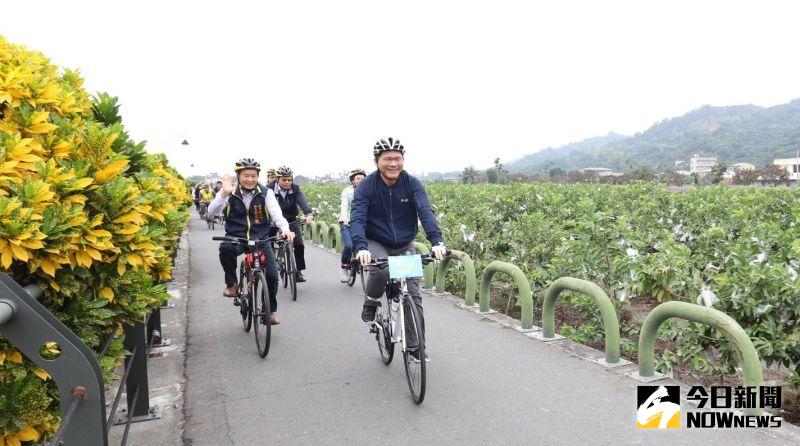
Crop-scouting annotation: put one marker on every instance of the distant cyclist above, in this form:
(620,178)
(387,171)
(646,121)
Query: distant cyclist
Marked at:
(355,177)
(205,199)
(290,198)
(383,222)
(271,176)
(249,209)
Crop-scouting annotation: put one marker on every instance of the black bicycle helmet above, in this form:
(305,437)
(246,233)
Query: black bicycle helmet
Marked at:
(387,145)
(271,172)
(284,171)
(247,163)
(355,172)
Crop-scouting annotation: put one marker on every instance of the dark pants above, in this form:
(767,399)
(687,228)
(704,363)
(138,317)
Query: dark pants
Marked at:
(228,252)
(347,241)
(376,285)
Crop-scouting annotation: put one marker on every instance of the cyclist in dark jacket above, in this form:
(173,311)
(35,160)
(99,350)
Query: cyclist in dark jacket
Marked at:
(290,198)
(386,207)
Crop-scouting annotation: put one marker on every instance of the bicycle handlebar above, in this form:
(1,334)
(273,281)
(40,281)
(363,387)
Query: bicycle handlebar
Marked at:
(383,261)
(244,241)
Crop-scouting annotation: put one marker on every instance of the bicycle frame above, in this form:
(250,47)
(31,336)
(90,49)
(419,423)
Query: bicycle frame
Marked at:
(397,314)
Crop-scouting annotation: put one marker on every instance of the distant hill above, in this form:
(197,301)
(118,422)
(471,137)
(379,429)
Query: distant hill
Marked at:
(741,133)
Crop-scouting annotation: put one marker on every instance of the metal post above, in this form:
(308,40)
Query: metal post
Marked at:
(525,300)
(607,312)
(430,269)
(155,336)
(748,356)
(138,408)
(335,237)
(469,270)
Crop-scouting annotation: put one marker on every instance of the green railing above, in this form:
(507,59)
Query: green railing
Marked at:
(430,269)
(525,301)
(607,312)
(748,356)
(335,237)
(469,270)
(318,228)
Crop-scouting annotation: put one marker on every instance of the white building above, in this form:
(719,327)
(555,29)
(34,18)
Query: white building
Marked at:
(792,165)
(599,171)
(701,165)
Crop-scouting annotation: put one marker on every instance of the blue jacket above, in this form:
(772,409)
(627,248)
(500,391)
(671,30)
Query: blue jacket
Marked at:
(389,215)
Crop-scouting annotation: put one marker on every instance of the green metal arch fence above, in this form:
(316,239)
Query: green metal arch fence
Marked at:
(469,270)
(525,300)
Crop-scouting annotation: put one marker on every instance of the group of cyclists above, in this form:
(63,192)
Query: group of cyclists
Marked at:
(378,218)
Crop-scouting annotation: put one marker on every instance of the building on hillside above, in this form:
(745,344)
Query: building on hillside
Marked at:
(792,165)
(736,168)
(599,171)
(702,165)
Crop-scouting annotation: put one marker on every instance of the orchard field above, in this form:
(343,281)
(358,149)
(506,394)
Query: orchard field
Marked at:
(735,249)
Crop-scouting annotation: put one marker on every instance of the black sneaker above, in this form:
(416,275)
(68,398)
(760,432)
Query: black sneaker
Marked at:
(415,355)
(300,277)
(368,313)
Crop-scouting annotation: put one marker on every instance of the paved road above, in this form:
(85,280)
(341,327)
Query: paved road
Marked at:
(323,382)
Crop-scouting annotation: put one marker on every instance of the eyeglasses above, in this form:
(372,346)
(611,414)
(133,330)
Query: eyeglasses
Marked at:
(390,160)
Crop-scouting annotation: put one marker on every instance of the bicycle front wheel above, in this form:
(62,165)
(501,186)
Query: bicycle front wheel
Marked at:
(261,314)
(280,257)
(384,334)
(244,299)
(415,366)
(291,271)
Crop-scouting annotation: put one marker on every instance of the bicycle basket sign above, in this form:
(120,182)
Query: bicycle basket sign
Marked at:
(402,267)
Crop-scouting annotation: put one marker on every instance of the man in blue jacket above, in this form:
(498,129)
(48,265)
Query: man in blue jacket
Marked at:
(383,222)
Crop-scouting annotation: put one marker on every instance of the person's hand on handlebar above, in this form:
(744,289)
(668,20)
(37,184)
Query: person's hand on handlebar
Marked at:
(309,219)
(439,251)
(364,257)
(288,235)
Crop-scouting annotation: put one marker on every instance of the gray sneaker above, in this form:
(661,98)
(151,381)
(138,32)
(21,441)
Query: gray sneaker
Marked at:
(345,276)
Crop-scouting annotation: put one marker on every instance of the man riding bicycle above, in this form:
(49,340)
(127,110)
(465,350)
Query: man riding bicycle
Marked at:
(346,199)
(205,199)
(249,209)
(386,207)
(290,197)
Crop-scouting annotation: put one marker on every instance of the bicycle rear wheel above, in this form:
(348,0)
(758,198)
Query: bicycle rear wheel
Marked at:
(244,299)
(261,314)
(384,334)
(415,368)
(291,271)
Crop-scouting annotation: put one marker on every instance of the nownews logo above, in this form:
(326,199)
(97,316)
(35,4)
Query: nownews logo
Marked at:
(659,407)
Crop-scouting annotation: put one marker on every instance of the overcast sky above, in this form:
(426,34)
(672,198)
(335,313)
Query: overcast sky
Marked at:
(312,84)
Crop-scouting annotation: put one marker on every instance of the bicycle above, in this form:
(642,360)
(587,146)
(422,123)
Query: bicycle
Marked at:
(203,210)
(287,268)
(252,298)
(213,221)
(399,306)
